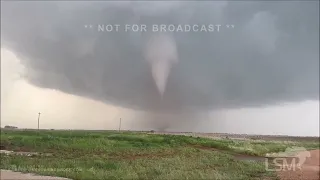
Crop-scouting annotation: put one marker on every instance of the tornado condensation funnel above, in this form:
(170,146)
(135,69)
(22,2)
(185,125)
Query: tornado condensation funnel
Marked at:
(161,53)
(160,73)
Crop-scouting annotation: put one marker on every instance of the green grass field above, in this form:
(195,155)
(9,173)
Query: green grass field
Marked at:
(131,155)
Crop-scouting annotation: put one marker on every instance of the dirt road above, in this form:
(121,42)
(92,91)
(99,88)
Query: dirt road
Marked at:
(309,170)
(10,175)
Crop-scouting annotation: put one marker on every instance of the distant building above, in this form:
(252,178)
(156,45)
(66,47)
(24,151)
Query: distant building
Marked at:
(10,127)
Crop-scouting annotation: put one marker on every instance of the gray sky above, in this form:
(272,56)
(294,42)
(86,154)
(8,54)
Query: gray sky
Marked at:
(21,102)
(269,58)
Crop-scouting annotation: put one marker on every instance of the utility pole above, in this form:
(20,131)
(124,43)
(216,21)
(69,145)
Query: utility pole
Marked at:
(38,120)
(120,125)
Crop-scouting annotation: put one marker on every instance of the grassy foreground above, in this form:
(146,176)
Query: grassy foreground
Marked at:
(129,155)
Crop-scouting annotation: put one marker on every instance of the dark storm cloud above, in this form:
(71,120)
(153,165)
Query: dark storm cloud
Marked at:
(271,56)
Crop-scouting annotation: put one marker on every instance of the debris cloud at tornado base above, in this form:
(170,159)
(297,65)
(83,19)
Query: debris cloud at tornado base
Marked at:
(270,56)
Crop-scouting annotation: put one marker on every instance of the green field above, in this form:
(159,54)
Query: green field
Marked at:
(132,155)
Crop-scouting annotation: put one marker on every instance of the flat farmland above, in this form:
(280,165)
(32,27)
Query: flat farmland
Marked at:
(81,154)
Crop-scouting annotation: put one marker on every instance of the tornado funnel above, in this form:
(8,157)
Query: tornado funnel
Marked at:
(161,53)
(160,73)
